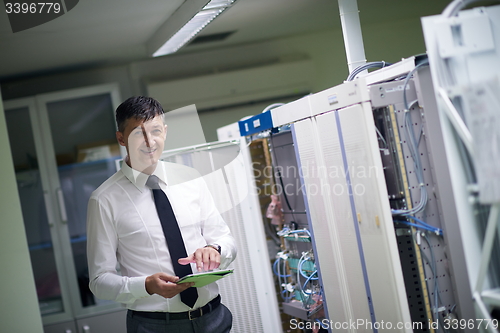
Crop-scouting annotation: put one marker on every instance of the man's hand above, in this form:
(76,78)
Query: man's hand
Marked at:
(164,285)
(206,259)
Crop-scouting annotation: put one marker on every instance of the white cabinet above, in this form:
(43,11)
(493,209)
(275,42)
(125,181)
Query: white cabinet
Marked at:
(46,132)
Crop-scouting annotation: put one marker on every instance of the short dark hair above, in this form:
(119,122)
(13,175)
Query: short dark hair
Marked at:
(138,107)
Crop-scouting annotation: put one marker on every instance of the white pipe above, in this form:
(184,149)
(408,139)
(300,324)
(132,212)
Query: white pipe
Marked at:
(456,121)
(454,7)
(351,29)
(489,239)
(483,310)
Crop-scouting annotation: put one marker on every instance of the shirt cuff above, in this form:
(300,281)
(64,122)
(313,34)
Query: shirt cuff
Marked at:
(137,286)
(225,258)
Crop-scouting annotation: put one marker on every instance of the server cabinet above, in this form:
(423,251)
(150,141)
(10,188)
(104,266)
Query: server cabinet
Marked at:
(375,202)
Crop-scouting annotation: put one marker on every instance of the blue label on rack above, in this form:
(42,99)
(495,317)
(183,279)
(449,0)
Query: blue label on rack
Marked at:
(255,124)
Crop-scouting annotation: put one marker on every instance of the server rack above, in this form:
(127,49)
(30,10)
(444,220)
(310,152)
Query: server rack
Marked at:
(374,205)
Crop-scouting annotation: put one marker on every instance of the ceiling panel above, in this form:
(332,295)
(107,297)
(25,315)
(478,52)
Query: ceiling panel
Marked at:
(110,32)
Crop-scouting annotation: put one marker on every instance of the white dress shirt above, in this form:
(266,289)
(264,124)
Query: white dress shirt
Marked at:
(123,228)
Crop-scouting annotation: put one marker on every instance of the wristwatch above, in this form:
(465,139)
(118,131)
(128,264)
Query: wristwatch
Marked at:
(214,246)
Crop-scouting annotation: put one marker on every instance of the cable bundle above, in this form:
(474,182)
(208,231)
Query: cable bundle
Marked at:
(413,146)
(359,69)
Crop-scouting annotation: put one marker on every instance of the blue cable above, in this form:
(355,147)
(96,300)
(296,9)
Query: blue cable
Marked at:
(422,222)
(432,229)
(285,297)
(300,231)
(302,272)
(413,146)
(275,271)
(307,281)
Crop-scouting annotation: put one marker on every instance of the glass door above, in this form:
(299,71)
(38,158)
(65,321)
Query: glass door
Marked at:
(81,143)
(63,146)
(32,182)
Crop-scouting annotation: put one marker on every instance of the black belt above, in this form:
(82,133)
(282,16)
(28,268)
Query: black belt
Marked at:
(192,314)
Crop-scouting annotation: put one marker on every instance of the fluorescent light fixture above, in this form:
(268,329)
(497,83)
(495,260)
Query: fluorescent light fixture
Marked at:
(211,10)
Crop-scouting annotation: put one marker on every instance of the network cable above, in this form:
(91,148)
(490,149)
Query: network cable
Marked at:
(424,227)
(276,268)
(310,278)
(272,106)
(287,231)
(282,283)
(432,265)
(361,68)
(286,298)
(298,277)
(413,147)
(306,296)
(434,229)
(299,267)
(302,271)
(381,137)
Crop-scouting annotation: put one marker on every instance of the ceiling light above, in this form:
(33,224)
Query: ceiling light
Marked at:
(211,10)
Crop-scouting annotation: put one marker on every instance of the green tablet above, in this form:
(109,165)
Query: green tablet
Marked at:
(203,278)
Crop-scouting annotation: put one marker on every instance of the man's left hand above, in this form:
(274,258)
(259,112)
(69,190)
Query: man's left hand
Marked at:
(206,259)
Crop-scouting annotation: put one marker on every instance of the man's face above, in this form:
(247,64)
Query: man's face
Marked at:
(144,142)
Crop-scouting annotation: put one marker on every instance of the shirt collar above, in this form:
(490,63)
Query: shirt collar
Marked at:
(139,178)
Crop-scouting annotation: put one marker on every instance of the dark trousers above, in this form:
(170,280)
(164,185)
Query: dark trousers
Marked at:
(219,320)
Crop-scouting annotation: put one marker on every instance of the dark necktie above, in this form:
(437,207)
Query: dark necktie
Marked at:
(173,237)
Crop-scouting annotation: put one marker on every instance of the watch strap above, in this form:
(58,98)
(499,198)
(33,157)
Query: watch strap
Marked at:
(215,247)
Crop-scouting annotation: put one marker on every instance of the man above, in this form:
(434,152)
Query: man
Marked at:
(126,225)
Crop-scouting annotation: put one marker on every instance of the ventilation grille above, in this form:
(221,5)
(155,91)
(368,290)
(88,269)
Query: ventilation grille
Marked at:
(219,37)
